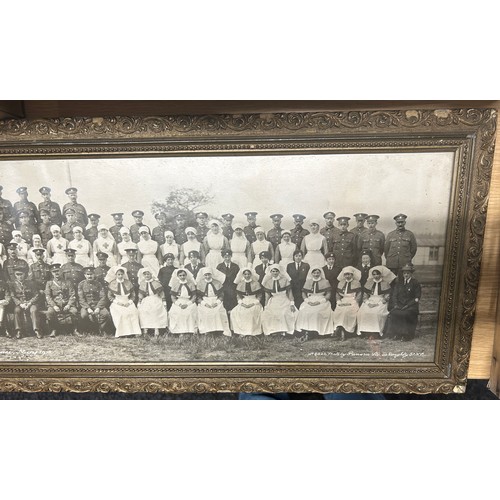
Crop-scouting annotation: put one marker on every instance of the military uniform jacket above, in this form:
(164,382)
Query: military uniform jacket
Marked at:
(100,274)
(373,241)
(344,247)
(115,232)
(60,293)
(40,274)
(134,232)
(26,206)
(4,291)
(44,232)
(274,236)
(91,295)
(10,264)
(67,230)
(180,235)
(201,233)
(400,248)
(329,233)
(250,232)
(27,232)
(91,234)
(81,214)
(228,232)
(24,292)
(158,234)
(8,210)
(298,234)
(132,268)
(5,232)
(72,272)
(54,210)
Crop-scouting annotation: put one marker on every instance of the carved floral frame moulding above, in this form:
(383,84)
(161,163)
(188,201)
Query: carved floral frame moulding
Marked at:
(470,133)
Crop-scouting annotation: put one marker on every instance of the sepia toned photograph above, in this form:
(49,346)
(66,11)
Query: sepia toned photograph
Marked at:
(301,252)
(243,258)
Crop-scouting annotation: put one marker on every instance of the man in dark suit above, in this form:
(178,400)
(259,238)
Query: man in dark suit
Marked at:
(297,270)
(265,258)
(194,263)
(231,270)
(404,306)
(332,272)
(366,265)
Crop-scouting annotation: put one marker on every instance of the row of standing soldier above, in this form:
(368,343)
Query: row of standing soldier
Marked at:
(398,247)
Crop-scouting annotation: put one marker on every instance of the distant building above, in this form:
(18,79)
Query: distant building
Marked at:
(430,250)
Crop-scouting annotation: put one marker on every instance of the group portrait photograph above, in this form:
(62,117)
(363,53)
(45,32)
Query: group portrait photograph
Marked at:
(319,257)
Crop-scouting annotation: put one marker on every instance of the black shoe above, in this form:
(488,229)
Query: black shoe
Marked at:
(18,334)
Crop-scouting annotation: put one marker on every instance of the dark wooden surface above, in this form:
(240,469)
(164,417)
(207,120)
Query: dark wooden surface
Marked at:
(54,109)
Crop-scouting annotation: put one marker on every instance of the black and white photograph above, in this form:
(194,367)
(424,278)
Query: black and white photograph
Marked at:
(250,258)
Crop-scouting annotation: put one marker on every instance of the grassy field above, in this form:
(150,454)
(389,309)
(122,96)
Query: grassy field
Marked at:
(93,348)
(202,348)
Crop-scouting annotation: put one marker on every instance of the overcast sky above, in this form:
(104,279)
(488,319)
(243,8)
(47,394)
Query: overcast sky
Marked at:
(417,184)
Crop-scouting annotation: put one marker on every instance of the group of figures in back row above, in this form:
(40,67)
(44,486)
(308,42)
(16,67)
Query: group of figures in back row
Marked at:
(189,279)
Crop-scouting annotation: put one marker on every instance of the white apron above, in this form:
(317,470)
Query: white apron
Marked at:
(247,321)
(277,315)
(318,318)
(372,319)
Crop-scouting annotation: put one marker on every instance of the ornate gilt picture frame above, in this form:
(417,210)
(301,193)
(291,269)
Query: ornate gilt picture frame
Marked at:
(428,169)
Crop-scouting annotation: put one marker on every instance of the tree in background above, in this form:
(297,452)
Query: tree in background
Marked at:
(186,201)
